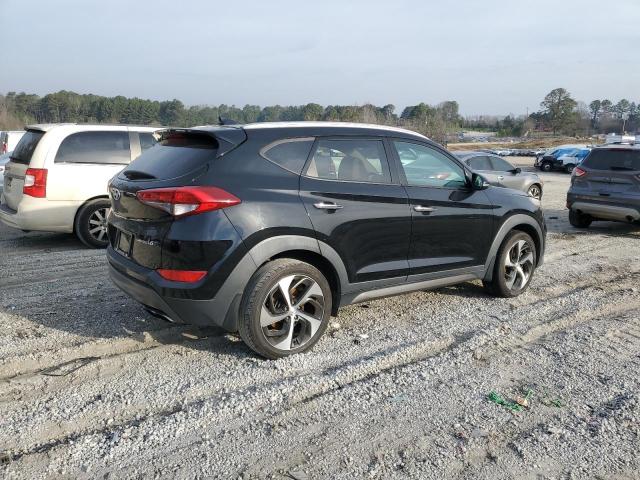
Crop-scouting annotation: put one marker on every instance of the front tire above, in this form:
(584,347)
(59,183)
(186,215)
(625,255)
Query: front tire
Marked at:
(91,223)
(285,308)
(546,166)
(514,266)
(579,220)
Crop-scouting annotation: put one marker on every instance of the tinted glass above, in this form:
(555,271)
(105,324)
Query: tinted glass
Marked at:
(501,165)
(350,160)
(620,159)
(430,168)
(290,154)
(479,163)
(176,154)
(27,144)
(95,147)
(147,140)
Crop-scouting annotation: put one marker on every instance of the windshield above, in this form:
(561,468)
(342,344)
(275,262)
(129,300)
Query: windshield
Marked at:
(621,159)
(26,146)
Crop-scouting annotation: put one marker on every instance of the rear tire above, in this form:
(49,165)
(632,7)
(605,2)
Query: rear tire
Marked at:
(579,220)
(514,266)
(285,308)
(569,168)
(91,223)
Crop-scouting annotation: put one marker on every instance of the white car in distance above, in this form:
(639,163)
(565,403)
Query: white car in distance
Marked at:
(57,176)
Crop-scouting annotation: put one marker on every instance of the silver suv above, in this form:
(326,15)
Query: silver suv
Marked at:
(606,186)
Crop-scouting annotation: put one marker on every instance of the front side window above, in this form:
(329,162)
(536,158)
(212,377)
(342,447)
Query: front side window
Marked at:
(356,160)
(501,165)
(430,168)
(95,147)
(290,153)
(480,163)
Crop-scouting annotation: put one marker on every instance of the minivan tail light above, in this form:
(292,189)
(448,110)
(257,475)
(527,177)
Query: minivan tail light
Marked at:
(35,182)
(183,201)
(578,172)
(186,276)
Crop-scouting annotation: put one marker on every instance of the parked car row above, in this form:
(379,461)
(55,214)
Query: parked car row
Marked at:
(268,229)
(564,158)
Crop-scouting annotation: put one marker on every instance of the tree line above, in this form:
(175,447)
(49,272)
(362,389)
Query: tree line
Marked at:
(559,113)
(19,109)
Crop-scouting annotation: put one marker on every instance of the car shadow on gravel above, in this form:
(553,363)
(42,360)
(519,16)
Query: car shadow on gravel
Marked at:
(558,222)
(41,241)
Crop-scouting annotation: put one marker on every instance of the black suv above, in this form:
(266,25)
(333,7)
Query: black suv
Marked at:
(606,186)
(267,229)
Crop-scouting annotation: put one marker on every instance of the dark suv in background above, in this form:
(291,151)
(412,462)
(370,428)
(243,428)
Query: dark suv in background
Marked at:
(267,229)
(606,186)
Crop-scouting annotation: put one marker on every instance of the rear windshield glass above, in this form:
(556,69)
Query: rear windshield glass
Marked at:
(174,155)
(613,160)
(27,144)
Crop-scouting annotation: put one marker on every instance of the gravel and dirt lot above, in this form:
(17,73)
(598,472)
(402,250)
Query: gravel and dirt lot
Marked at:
(91,386)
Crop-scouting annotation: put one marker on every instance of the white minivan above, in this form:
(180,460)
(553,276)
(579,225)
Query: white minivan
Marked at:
(56,179)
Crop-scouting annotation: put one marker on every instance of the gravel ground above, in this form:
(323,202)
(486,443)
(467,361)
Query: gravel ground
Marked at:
(92,386)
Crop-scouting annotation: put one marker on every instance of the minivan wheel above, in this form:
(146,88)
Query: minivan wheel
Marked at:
(579,220)
(514,266)
(285,308)
(91,223)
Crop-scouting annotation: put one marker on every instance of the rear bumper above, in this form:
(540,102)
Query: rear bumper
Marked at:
(138,282)
(621,213)
(40,214)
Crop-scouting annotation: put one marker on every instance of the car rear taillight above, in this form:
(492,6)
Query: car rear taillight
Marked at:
(186,276)
(35,182)
(578,172)
(182,201)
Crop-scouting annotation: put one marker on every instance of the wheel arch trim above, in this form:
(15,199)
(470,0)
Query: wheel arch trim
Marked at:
(512,223)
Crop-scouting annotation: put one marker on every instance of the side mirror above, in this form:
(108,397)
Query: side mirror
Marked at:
(517,171)
(478,182)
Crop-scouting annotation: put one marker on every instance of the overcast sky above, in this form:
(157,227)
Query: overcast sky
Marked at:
(493,57)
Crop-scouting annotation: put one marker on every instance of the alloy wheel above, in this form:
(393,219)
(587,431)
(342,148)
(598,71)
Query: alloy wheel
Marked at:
(534,191)
(518,265)
(292,312)
(98,224)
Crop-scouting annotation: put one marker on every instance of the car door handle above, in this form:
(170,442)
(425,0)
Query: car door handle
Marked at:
(327,206)
(423,209)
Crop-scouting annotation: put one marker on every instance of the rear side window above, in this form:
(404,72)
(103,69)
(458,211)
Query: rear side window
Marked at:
(174,155)
(356,160)
(147,140)
(614,159)
(95,147)
(290,153)
(27,144)
(480,163)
